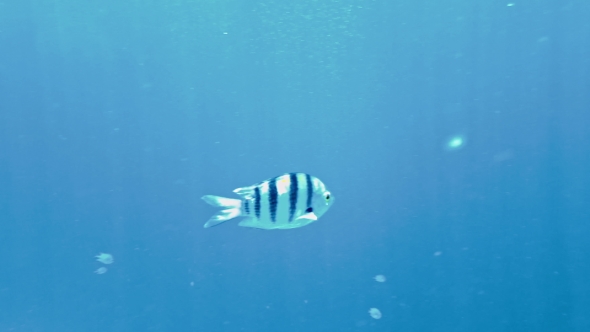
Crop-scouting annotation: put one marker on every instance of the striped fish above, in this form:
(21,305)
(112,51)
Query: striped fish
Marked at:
(283,202)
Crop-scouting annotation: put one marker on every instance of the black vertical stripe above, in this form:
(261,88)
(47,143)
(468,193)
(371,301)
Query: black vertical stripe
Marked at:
(247,206)
(293,195)
(273,198)
(257,202)
(309,190)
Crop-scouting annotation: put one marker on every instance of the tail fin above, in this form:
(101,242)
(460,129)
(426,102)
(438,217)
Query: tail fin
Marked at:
(231,209)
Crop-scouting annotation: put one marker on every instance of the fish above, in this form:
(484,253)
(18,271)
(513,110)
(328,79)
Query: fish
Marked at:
(286,201)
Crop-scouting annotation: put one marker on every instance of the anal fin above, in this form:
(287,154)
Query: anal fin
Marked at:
(248,222)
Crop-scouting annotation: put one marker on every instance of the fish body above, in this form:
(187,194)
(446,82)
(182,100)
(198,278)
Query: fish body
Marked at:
(287,201)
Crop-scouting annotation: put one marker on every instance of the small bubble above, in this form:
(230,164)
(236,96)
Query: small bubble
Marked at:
(455,143)
(380,278)
(375,313)
(104,258)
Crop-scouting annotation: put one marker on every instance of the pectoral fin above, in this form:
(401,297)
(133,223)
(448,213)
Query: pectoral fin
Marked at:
(310,216)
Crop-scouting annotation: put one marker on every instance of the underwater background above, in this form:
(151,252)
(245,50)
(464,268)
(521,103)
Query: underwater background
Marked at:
(454,136)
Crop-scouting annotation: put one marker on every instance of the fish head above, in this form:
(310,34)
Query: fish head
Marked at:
(322,200)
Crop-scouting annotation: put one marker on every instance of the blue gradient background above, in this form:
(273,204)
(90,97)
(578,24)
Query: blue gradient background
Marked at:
(117,116)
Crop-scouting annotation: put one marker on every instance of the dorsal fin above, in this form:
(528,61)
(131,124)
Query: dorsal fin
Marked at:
(245,192)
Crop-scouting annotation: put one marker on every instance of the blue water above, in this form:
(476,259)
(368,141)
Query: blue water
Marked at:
(117,116)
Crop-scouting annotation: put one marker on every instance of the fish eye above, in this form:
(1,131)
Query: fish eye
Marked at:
(327,196)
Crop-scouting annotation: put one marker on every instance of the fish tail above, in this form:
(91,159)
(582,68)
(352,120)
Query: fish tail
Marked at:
(231,208)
